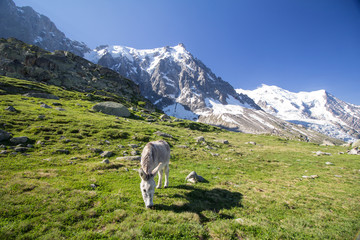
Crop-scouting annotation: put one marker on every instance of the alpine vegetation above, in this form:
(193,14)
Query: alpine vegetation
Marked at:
(154,158)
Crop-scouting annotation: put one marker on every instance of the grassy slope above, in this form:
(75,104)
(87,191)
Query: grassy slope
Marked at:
(253,192)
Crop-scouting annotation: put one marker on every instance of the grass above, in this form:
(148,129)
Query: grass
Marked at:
(251,192)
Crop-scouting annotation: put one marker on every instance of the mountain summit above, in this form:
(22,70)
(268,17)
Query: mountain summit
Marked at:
(318,110)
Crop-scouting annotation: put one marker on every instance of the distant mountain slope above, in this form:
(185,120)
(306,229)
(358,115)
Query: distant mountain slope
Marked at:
(318,110)
(62,68)
(31,27)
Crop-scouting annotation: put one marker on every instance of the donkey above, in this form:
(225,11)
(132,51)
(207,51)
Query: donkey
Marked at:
(154,158)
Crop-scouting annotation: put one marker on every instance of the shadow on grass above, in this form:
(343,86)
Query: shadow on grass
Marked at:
(200,200)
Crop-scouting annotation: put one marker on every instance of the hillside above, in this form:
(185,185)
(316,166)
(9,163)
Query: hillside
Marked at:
(56,185)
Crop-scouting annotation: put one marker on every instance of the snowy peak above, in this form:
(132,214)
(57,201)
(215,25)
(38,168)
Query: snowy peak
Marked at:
(318,110)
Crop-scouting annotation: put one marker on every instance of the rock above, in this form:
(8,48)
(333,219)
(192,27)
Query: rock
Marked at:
(129,158)
(222,141)
(182,146)
(134,152)
(356,144)
(214,154)
(3,152)
(41,117)
(61,151)
(4,135)
(18,140)
(193,177)
(354,151)
(45,106)
(107,154)
(327,143)
(106,161)
(41,95)
(121,146)
(329,163)
(133,145)
(200,139)
(39,142)
(11,109)
(56,104)
(339,176)
(96,150)
(252,143)
(312,176)
(165,117)
(93,185)
(112,108)
(60,109)
(162,134)
(20,149)
(319,153)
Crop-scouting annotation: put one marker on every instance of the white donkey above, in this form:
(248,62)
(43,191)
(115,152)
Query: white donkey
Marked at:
(154,158)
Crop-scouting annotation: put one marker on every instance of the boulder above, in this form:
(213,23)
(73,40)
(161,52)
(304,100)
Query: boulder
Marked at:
(10,109)
(354,151)
(18,140)
(200,139)
(223,141)
(162,134)
(4,135)
(112,108)
(45,106)
(356,144)
(193,177)
(107,154)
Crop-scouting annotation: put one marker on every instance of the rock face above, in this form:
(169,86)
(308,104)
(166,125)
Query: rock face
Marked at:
(31,27)
(112,108)
(62,68)
(4,135)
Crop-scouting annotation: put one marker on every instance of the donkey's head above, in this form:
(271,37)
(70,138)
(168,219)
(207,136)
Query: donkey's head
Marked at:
(147,185)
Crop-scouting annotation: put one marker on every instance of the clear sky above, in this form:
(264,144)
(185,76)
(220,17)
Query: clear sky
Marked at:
(299,45)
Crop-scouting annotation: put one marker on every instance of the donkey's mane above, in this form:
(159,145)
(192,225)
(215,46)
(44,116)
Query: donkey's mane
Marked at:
(147,159)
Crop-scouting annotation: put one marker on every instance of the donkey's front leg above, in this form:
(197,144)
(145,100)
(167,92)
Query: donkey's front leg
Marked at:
(160,178)
(166,175)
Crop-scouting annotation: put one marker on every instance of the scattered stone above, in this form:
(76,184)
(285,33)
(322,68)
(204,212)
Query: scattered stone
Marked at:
(107,154)
(329,163)
(3,152)
(42,95)
(200,139)
(60,109)
(339,176)
(96,150)
(133,145)
(312,176)
(41,117)
(56,104)
(222,141)
(106,161)
(327,143)
(4,135)
(11,109)
(112,108)
(239,220)
(214,154)
(134,152)
(193,177)
(341,153)
(93,185)
(18,140)
(20,149)
(129,158)
(162,134)
(209,147)
(354,151)
(252,143)
(74,158)
(126,169)
(39,142)
(182,146)
(356,144)
(319,153)
(45,106)
(61,151)
(165,117)
(121,146)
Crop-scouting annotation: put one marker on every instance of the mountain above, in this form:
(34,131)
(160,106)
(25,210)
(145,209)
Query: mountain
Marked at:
(182,86)
(317,110)
(31,27)
(171,78)
(64,69)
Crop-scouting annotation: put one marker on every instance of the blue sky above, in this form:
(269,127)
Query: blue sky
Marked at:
(299,45)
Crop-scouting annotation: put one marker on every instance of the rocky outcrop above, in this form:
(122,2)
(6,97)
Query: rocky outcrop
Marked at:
(33,28)
(64,69)
(112,108)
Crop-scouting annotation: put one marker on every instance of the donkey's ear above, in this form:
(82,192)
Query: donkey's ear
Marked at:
(154,172)
(142,174)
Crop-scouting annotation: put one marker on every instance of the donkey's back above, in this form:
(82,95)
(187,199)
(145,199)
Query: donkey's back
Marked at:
(153,154)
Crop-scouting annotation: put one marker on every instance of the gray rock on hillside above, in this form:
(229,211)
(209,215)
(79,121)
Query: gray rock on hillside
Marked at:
(356,144)
(4,135)
(112,108)
(19,140)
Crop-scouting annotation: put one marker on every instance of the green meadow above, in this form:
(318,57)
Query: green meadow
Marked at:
(57,186)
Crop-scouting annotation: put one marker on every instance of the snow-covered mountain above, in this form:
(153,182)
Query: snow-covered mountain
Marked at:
(171,78)
(182,86)
(31,27)
(317,110)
